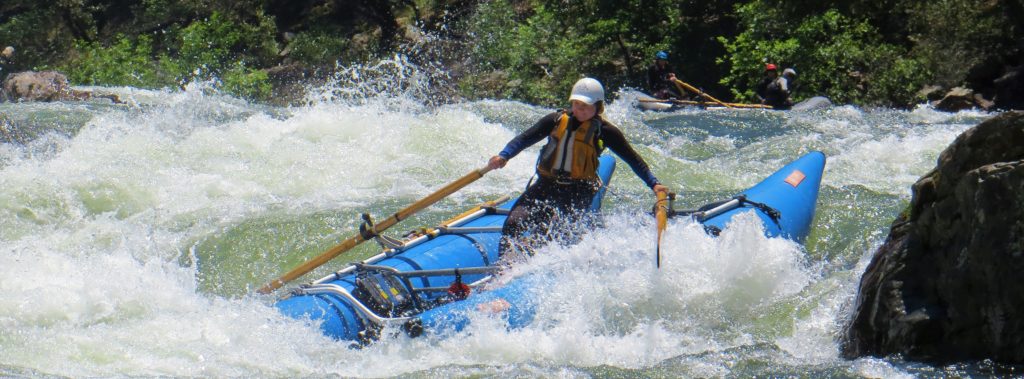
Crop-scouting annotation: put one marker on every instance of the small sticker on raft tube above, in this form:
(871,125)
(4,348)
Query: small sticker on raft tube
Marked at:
(795,178)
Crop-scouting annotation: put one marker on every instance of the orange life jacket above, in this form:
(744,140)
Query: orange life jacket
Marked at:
(572,153)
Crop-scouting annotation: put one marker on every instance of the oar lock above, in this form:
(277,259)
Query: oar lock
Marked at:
(368,231)
(671,208)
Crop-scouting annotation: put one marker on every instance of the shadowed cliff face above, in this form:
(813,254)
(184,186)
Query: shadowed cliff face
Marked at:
(945,286)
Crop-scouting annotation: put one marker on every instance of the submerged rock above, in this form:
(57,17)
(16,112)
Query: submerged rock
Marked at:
(945,286)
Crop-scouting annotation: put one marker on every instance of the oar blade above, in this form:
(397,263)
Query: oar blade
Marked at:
(661,217)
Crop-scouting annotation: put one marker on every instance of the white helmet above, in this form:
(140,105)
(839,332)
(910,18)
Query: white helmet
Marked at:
(789,71)
(587,90)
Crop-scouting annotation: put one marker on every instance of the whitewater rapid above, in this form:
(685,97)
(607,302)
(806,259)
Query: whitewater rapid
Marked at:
(132,236)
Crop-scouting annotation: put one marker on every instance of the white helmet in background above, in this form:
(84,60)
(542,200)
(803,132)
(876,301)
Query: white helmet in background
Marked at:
(789,71)
(587,90)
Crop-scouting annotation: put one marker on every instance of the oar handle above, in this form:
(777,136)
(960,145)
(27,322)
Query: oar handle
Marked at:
(357,239)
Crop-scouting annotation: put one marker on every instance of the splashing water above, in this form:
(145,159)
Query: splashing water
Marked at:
(133,235)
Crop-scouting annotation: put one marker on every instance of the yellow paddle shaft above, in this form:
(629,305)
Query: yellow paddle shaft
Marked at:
(699,92)
(691,102)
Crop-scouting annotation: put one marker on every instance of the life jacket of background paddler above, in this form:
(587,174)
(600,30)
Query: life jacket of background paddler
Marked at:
(572,153)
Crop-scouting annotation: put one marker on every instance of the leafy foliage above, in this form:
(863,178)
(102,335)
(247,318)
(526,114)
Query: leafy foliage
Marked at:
(953,36)
(125,63)
(537,54)
(320,47)
(212,48)
(865,52)
(835,55)
(20,30)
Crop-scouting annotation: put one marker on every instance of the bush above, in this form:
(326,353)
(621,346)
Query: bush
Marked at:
(954,36)
(319,47)
(834,55)
(247,82)
(37,35)
(212,48)
(218,43)
(125,63)
(538,49)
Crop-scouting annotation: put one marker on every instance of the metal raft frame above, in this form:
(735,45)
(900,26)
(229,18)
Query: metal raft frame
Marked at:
(393,247)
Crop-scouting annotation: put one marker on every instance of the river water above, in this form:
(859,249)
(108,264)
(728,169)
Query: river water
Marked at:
(132,236)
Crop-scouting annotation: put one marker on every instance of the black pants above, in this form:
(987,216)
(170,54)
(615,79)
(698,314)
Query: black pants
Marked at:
(548,210)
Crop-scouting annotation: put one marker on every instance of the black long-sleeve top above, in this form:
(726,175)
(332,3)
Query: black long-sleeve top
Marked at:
(613,139)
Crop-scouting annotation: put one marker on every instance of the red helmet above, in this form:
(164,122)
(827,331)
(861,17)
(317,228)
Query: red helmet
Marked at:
(769,67)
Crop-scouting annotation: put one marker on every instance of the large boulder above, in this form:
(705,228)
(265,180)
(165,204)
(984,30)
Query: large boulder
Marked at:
(1009,89)
(36,86)
(945,286)
(44,86)
(957,99)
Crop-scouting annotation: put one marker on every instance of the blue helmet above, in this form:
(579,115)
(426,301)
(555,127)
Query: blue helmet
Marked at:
(661,55)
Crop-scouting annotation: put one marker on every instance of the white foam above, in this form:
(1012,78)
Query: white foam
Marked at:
(100,223)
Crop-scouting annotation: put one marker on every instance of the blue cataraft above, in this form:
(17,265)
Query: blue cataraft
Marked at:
(415,284)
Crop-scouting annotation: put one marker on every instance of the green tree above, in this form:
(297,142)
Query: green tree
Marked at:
(837,56)
(955,37)
(535,50)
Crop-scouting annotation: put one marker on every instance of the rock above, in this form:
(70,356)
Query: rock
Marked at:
(1009,89)
(289,83)
(982,102)
(956,100)
(930,93)
(36,86)
(945,286)
(44,86)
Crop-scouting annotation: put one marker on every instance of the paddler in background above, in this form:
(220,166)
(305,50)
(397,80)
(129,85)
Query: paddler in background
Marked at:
(771,72)
(661,78)
(778,92)
(566,169)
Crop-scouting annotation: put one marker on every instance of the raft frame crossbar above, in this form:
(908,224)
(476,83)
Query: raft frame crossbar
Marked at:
(450,228)
(362,310)
(369,315)
(438,272)
(725,207)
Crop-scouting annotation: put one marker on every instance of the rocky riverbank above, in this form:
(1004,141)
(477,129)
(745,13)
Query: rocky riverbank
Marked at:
(945,286)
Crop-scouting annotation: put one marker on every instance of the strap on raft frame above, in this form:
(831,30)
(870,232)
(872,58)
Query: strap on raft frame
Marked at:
(736,202)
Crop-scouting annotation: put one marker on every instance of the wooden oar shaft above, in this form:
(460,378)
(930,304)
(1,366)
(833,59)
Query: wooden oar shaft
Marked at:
(699,92)
(661,215)
(434,197)
(353,241)
(691,102)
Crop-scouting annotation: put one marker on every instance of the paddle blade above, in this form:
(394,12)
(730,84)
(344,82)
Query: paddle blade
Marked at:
(661,215)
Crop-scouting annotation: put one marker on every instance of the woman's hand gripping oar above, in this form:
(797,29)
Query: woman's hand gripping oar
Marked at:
(661,215)
(351,242)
